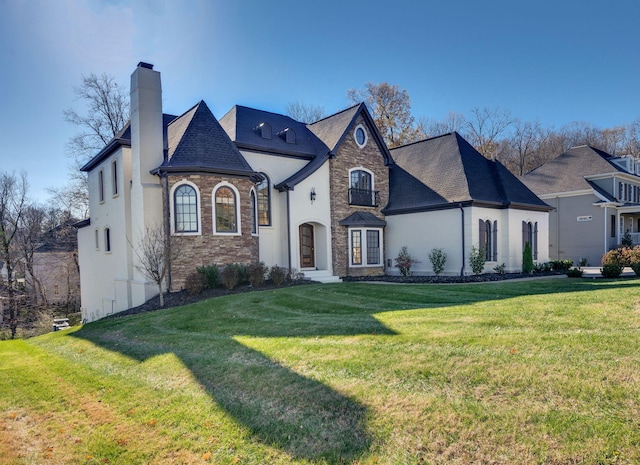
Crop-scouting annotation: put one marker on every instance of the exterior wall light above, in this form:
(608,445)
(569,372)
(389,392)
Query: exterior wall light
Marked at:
(312,194)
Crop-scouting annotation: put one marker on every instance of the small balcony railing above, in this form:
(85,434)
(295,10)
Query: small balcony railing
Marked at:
(364,197)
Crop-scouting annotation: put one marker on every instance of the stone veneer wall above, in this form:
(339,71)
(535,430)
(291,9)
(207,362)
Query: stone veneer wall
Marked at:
(351,156)
(207,248)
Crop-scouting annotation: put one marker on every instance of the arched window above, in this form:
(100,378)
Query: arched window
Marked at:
(254,213)
(489,239)
(107,240)
(185,201)
(530,235)
(264,201)
(361,188)
(225,210)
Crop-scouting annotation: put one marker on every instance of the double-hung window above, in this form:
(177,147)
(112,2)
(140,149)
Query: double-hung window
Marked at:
(488,233)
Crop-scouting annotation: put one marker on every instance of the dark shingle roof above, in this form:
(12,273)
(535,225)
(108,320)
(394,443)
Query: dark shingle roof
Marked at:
(363,219)
(332,128)
(197,143)
(241,124)
(567,172)
(123,138)
(446,171)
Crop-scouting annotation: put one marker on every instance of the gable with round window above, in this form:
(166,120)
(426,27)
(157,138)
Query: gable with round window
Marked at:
(360,136)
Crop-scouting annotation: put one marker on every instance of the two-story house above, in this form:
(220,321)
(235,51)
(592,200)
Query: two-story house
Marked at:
(596,199)
(254,186)
(325,198)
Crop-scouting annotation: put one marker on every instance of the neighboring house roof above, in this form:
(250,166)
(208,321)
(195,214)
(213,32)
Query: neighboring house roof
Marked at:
(331,131)
(243,125)
(123,138)
(445,172)
(363,219)
(567,172)
(197,143)
(62,238)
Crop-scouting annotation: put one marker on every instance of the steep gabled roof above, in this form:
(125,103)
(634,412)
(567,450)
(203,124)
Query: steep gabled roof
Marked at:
(243,124)
(197,143)
(446,171)
(567,172)
(333,129)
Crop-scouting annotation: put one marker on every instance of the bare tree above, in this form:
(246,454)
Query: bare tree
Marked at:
(13,203)
(107,112)
(452,122)
(484,128)
(28,237)
(303,112)
(390,107)
(524,145)
(155,252)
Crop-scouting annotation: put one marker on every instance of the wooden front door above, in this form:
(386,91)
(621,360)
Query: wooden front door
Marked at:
(307,252)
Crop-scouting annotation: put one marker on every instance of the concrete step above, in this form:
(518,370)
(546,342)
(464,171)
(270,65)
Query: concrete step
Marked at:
(321,276)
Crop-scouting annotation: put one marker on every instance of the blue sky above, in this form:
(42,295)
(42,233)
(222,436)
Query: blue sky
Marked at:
(557,61)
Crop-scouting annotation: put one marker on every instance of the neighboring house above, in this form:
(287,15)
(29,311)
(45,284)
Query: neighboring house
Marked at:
(317,198)
(596,197)
(55,267)
(444,194)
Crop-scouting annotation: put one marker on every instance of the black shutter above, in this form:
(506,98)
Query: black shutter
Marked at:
(495,241)
(535,240)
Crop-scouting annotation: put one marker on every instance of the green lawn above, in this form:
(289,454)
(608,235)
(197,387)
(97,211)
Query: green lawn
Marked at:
(543,371)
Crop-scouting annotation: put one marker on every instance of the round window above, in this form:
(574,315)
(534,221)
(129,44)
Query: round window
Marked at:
(361,136)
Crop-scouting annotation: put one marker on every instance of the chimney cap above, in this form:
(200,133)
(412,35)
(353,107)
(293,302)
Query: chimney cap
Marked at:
(142,64)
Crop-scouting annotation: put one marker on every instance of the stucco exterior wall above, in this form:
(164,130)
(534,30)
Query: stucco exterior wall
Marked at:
(106,276)
(273,239)
(422,232)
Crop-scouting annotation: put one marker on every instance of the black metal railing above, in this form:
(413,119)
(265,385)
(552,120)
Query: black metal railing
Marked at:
(364,197)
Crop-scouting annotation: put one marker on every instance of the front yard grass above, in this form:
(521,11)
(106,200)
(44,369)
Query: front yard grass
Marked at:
(541,372)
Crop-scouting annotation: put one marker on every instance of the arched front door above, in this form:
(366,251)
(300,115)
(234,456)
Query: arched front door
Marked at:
(307,252)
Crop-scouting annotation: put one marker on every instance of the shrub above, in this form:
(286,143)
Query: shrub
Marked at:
(211,274)
(278,275)
(256,272)
(500,269)
(195,283)
(611,270)
(230,276)
(561,265)
(527,259)
(574,273)
(583,262)
(438,259)
(542,267)
(636,268)
(477,259)
(626,239)
(404,261)
(295,275)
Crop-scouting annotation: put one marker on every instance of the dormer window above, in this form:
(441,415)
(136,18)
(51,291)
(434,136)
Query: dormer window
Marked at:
(264,129)
(289,135)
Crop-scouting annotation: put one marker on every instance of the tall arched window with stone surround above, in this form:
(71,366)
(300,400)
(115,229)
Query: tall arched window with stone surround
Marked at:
(226,210)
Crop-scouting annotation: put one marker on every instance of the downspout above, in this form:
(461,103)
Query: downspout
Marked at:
(167,229)
(289,230)
(462,219)
(605,230)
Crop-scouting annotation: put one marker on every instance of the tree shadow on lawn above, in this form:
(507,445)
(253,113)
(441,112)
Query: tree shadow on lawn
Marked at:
(303,417)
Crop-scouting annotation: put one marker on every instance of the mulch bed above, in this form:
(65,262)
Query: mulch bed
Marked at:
(481,278)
